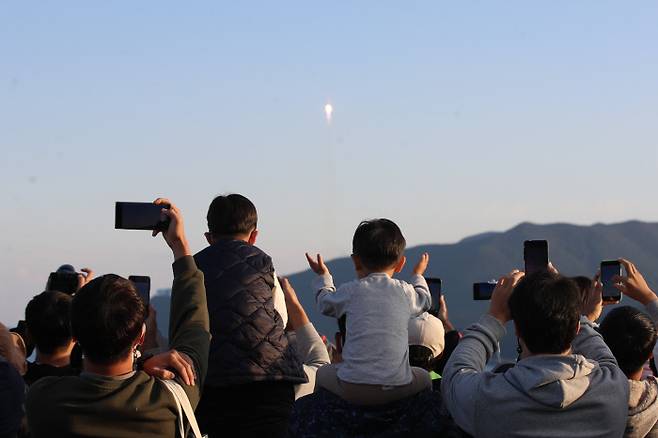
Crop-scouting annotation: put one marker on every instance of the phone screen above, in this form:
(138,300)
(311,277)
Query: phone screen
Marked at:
(139,216)
(66,282)
(609,270)
(434,285)
(483,290)
(535,254)
(143,285)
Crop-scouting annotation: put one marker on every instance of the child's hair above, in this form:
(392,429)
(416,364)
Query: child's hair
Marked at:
(379,243)
(231,215)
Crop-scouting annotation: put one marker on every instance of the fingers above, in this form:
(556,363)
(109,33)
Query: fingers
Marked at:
(183,369)
(162,373)
(552,268)
(629,266)
(321,261)
(310,260)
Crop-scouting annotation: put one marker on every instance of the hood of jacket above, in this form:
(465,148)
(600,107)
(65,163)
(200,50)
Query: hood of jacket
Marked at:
(555,381)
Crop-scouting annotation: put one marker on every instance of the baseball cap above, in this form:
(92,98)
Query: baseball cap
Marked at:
(427,330)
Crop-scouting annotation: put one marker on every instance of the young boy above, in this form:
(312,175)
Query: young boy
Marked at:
(375,367)
(251,367)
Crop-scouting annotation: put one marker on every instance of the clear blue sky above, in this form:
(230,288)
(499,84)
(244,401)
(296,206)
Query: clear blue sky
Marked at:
(451,118)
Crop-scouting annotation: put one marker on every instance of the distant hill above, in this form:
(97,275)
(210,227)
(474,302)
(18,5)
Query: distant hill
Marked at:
(574,250)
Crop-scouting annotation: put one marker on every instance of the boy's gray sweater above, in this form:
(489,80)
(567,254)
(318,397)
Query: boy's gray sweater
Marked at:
(584,394)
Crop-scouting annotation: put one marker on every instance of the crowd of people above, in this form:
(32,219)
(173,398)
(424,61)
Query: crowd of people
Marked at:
(242,357)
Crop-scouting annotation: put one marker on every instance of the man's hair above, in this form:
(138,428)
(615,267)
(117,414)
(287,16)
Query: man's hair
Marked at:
(420,356)
(231,215)
(631,336)
(546,309)
(48,320)
(584,284)
(379,243)
(106,318)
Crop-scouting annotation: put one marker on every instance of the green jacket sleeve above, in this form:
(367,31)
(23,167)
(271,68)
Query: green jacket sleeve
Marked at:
(189,329)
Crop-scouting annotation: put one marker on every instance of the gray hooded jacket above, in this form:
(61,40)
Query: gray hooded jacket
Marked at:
(584,394)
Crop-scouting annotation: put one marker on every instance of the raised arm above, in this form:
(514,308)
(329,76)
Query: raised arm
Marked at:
(462,375)
(419,296)
(189,330)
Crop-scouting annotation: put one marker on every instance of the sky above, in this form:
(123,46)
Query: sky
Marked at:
(451,118)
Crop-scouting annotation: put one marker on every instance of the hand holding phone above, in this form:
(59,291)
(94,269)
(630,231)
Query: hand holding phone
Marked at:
(634,285)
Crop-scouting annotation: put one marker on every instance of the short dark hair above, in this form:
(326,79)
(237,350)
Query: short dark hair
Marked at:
(546,309)
(379,243)
(631,336)
(48,320)
(231,215)
(420,356)
(107,317)
(584,285)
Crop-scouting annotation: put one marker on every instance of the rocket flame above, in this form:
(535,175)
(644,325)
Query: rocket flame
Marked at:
(328,111)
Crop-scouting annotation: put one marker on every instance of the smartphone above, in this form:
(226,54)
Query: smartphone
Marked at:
(435,292)
(342,329)
(143,285)
(483,290)
(535,254)
(66,282)
(139,216)
(609,270)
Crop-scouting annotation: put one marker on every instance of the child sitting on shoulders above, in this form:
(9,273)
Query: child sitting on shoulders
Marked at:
(375,367)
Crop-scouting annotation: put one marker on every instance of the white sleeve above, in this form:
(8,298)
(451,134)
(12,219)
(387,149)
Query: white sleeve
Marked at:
(279,300)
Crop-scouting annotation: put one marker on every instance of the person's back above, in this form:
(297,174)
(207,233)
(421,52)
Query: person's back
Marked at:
(631,335)
(109,398)
(251,368)
(375,367)
(564,385)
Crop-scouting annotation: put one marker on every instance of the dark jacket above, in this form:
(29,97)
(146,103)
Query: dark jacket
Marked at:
(248,340)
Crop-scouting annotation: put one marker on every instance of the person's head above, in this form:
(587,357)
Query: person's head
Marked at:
(426,340)
(378,245)
(584,285)
(630,335)
(232,216)
(48,321)
(546,309)
(107,319)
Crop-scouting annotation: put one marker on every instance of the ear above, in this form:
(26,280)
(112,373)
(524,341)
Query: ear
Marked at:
(209,238)
(358,266)
(252,237)
(400,264)
(140,340)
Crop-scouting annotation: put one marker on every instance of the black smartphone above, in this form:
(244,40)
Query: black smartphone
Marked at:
(483,290)
(535,255)
(435,292)
(342,329)
(609,270)
(66,282)
(143,285)
(139,216)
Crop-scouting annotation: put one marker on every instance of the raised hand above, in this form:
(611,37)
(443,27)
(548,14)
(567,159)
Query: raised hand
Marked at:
(84,277)
(421,266)
(593,303)
(318,265)
(633,284)
(174,235)
(499,308)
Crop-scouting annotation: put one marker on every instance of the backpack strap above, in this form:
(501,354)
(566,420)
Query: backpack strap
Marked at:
(185,410)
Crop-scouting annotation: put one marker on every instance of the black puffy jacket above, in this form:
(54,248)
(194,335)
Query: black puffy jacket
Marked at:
(248,340)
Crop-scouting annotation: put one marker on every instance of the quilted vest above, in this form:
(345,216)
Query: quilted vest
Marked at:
(248,341)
